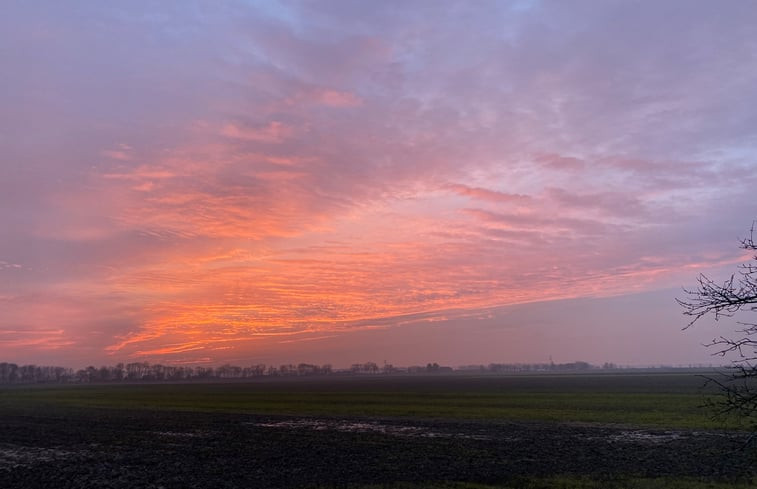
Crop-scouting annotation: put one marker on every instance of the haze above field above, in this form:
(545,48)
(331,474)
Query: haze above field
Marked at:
(452,182)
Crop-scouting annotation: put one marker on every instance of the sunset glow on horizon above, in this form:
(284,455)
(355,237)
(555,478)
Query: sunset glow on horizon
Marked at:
(343,181)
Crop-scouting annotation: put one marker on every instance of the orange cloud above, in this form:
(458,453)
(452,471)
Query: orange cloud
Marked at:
(40,339)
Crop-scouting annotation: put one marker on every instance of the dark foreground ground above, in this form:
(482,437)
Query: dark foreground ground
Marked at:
(108,448)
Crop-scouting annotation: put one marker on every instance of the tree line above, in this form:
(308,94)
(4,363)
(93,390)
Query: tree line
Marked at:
(11,373)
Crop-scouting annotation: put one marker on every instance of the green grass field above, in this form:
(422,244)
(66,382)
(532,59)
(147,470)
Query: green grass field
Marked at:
(665,400)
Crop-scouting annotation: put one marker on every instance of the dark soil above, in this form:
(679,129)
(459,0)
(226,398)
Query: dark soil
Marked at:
(134,449)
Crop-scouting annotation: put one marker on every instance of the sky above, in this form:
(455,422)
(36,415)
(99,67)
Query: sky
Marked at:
(347,181)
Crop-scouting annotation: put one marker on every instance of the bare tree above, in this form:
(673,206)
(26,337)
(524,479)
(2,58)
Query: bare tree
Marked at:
(738,294)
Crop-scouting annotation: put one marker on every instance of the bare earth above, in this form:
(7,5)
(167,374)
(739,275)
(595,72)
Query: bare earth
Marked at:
(130,449)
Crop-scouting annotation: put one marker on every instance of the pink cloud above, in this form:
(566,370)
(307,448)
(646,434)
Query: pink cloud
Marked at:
(273,132)
(486,194)
(141,172)
(560,162)
(613,203)
(323,96)
(334,98)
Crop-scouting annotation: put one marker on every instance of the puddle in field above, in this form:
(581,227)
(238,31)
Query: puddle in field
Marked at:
(12,456)
(365,427)
(183,434)
(623,436)
(643,436)
(635,436)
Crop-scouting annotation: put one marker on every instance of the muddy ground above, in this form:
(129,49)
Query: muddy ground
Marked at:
(133,449)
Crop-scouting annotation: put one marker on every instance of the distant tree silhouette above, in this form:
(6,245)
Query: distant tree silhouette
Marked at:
(736,295)
(11,373)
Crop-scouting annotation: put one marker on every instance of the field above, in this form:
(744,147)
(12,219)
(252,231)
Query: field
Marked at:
(644,430)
